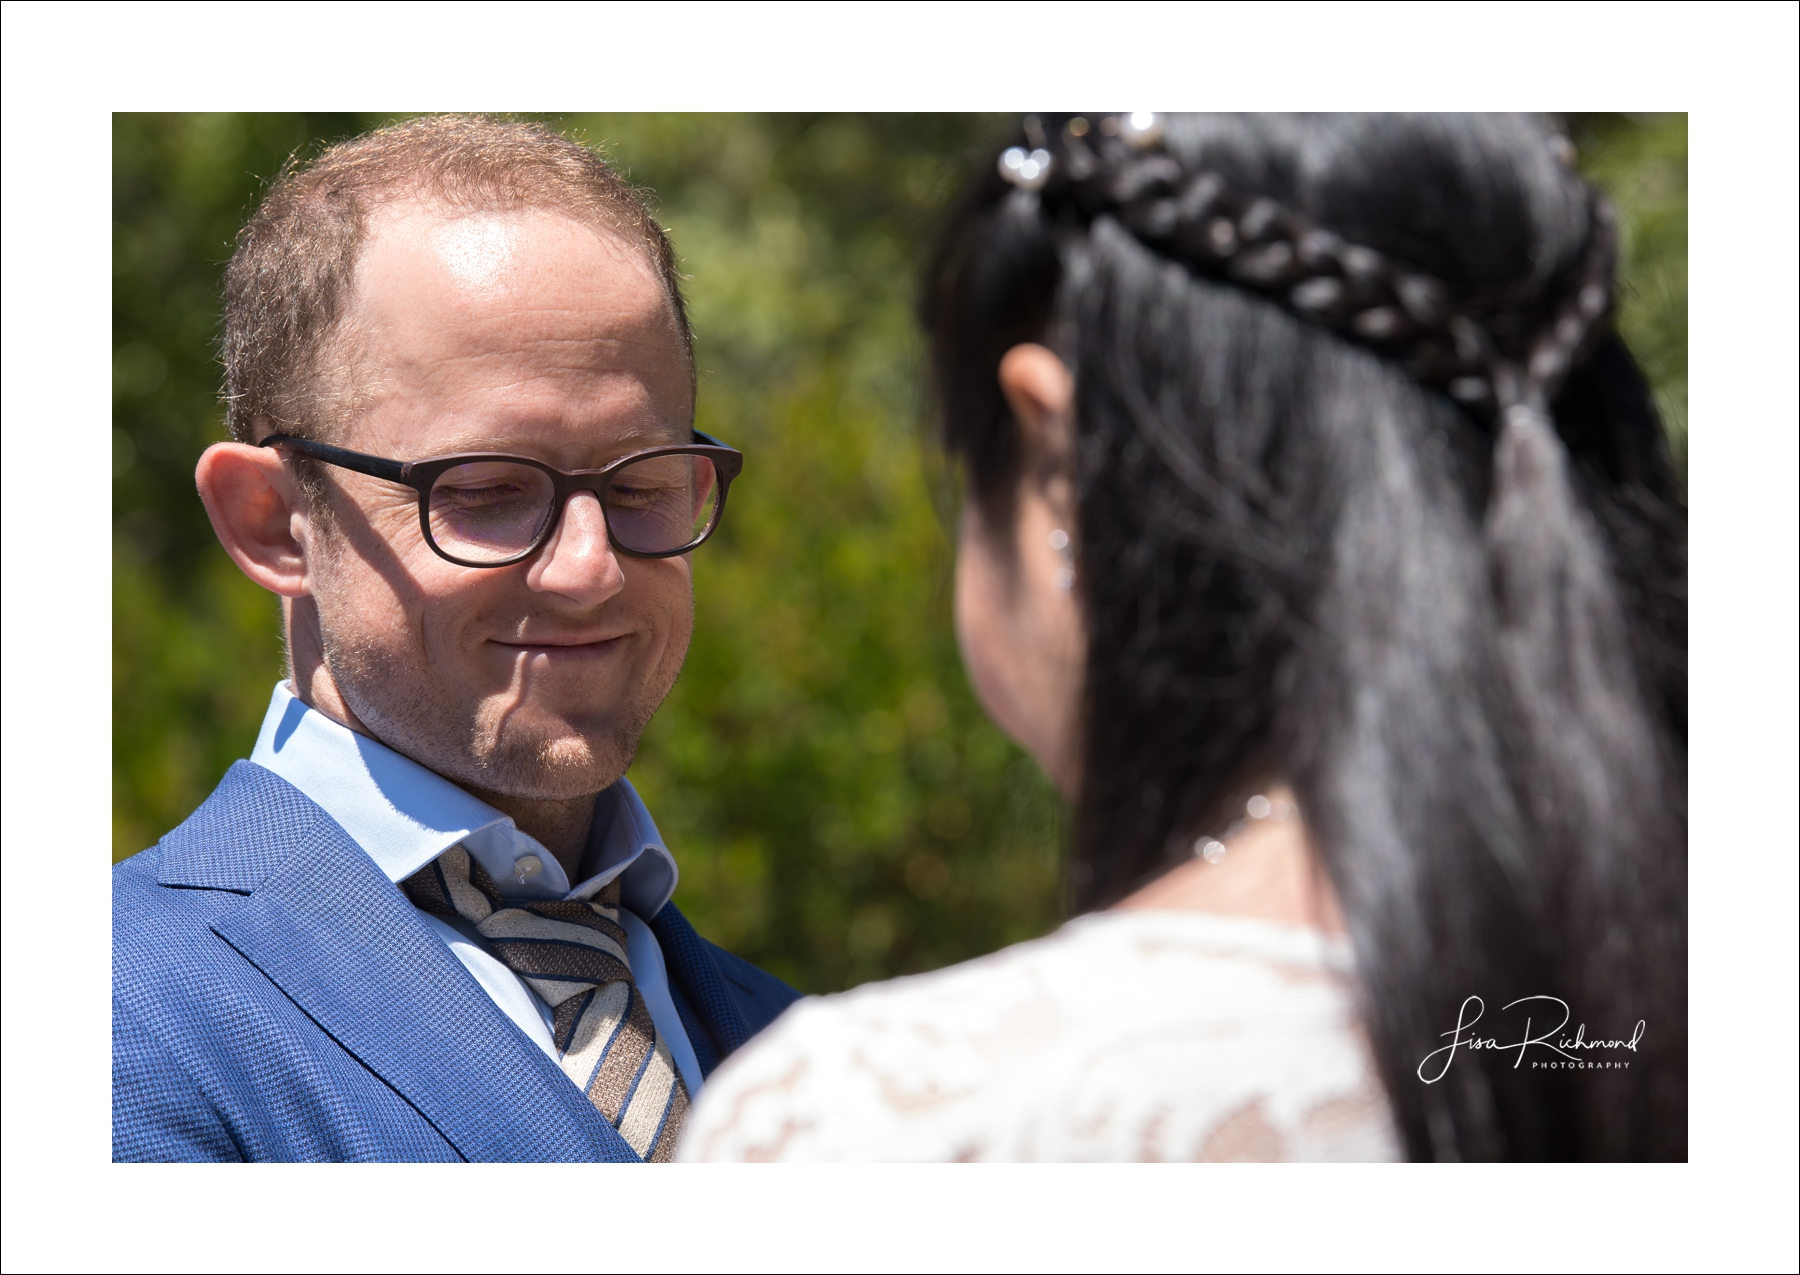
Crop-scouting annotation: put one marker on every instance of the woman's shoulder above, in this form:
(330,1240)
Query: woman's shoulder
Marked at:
(1136,1035)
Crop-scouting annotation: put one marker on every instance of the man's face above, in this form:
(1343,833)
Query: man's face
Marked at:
(531,334)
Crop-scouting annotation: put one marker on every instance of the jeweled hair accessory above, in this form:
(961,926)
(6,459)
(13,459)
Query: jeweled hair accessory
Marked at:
(1028,170)
(1116,166)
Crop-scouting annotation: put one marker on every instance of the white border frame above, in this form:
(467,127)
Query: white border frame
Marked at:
(1733,67)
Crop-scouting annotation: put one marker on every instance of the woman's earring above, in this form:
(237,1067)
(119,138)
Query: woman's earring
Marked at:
(1065,574)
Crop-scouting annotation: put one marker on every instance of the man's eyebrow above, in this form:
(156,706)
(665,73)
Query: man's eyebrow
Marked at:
(621,440)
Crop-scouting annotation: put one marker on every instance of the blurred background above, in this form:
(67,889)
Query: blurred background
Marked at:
(840,807)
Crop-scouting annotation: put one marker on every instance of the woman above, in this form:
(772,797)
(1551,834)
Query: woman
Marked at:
(1323,545)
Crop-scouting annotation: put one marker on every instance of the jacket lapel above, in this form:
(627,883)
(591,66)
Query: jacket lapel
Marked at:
(690,963)
(341,941)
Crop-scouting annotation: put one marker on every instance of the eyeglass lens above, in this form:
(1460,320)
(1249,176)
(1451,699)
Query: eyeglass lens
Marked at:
(489,511)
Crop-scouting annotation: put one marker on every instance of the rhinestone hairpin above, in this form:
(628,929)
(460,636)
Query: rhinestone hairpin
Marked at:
(1141,129)
(1028,170)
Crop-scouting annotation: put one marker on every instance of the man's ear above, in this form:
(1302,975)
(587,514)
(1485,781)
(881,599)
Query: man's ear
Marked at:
(258,513)
(1041,393)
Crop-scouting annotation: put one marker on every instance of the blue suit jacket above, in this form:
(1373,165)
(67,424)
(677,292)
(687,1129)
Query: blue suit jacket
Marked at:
(275,997)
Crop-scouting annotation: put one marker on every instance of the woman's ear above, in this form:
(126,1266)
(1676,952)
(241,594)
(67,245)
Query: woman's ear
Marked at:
(1018,619)
(1041,393)
(258,513)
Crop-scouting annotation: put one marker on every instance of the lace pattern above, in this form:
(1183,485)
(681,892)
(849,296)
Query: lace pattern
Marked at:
(1123,1036)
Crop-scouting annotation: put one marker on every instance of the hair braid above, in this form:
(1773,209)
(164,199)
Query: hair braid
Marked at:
(1199,219)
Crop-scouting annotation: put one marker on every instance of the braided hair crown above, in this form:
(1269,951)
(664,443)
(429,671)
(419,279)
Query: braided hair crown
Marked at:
(1082,167)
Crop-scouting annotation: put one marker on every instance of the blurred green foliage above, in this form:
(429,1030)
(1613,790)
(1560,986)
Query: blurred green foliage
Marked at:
(840,807)
(1641,161)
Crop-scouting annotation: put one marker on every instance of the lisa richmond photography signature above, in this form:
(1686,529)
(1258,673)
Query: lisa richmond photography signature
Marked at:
(1570,1052)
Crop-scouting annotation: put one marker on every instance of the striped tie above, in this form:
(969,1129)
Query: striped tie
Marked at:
(572,953)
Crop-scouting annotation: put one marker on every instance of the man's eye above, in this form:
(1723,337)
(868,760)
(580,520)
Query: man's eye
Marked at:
(638,493)
(486,493)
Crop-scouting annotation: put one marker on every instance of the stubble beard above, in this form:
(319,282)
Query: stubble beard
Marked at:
(480,744)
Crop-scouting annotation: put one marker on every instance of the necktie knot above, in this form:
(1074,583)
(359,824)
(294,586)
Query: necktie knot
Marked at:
(574,954)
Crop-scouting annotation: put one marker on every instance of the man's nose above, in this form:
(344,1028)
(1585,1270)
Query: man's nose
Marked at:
(578,560)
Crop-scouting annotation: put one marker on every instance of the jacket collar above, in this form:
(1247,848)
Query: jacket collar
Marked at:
(690,962)
(405,815)
(328,929)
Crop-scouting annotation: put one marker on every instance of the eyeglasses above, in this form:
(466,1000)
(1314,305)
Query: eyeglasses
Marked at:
(479,510)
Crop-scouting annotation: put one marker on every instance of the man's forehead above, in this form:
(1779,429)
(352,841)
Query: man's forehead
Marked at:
(477,251)
(472,255)
(435,285)
(483,322)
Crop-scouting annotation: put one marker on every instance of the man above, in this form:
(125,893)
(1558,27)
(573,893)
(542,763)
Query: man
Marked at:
(429,919)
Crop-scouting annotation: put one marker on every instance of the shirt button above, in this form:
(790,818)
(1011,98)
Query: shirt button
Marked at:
(527,867)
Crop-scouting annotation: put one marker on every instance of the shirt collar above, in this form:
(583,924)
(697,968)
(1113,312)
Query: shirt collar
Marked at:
(404,816)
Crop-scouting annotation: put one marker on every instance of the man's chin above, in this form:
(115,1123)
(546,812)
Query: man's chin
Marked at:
(555,765)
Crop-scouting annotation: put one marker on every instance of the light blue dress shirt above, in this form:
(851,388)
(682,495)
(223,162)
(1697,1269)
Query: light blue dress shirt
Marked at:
(404,816)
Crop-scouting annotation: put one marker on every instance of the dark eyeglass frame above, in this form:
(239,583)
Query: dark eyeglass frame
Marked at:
(728,463)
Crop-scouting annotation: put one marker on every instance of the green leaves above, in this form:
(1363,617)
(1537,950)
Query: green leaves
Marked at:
(1641,161)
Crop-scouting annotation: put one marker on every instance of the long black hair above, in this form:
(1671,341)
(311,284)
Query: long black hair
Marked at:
(1373,500)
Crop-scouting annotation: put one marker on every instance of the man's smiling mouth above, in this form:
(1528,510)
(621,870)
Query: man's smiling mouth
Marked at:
(564,648)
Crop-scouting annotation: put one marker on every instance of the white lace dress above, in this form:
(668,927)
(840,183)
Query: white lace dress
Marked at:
(1122,1036)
